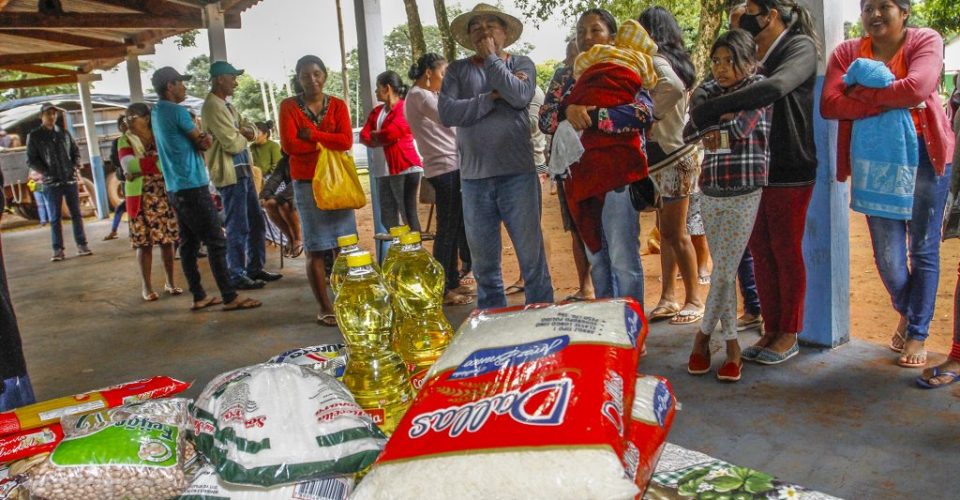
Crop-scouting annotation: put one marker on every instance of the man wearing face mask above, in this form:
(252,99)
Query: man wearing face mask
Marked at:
(787,49)
(487,96)
(229,161)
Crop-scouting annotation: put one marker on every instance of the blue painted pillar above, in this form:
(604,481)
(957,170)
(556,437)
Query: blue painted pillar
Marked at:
(372,63)
(93,147)
(826,242)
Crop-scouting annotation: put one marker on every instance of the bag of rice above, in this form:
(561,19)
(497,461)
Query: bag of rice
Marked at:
(650,420)
(207,486)
(273,424)
(525,403)
(133,451)
(327,358)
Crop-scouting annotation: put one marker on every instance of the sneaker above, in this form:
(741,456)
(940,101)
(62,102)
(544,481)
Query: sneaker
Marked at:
(83,250)
(57,257)
(245,283)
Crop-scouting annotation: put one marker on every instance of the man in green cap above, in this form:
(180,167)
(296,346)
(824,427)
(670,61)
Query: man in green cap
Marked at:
(230,163)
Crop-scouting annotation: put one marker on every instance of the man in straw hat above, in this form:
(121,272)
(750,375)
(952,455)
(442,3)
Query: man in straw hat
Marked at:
(486,96)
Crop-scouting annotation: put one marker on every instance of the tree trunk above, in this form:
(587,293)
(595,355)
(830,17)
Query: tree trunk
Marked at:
(417,43)
(449,44)
(343,57)
(713,17)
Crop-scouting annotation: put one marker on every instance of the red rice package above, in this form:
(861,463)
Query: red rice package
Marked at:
(532,402)
(51,411)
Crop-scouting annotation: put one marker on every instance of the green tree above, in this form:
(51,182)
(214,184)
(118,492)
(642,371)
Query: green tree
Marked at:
(199,68)
(13,94)
(545,72)
(941,15)
(248,99)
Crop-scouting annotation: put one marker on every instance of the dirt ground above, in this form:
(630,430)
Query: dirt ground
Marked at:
(871,316)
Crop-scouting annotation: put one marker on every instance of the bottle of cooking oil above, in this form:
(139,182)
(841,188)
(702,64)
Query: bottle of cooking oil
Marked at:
(375,373)
(421,331)
(348,245)
(394,249)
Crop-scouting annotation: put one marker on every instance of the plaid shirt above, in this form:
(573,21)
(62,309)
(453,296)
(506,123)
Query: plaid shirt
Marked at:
(744,168)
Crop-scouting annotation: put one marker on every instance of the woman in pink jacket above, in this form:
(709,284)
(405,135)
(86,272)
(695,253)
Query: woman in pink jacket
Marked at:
(915,57)
(387,127)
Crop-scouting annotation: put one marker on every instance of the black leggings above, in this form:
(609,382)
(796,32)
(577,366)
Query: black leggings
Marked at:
(398,199)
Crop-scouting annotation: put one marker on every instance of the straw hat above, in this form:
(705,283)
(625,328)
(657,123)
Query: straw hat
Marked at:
(458,28)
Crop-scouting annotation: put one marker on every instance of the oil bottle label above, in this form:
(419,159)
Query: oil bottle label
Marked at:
(379,415)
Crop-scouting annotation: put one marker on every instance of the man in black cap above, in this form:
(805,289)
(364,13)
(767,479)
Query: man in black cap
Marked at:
(52,152)
(180,145)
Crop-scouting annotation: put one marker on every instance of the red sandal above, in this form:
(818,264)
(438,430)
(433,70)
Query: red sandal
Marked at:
(698,364)
(730,372)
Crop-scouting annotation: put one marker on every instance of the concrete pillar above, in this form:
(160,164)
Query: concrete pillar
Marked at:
(372,63)
(826,243)
(273,102)
(133,78)
(93,147)
(263,97)
(216,31)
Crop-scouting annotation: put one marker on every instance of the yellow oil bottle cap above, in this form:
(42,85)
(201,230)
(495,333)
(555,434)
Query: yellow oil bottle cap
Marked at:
(410,238)
(347,240)
(396,231)
(359,259)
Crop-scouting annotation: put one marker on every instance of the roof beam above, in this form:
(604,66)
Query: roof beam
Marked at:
(62,56)
(60,37)
(157,7)
(42,70)
(73,20)
(43,82)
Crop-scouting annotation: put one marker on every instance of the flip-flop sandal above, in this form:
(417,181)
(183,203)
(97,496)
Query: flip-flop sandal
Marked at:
(686,317)
(328,319)
(172,290)
(150,297)
(898,336)
(205,303)
(576,298)
(903,363)
(665,311)
(246,303)
(925,382)
(456,299)
(513,289)
(468,280)
(296,251)
(703,279)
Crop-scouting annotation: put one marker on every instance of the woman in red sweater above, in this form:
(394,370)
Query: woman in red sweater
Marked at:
(915,57)
(309,121)
(387,127)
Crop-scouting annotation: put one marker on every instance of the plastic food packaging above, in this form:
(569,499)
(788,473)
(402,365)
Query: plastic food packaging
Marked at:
(533,402)
(29,443)
(133,451)
(51,411)
(272,424)
(207,486)
(327,358)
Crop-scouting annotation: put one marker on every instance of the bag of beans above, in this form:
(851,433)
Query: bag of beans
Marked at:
(133,451)
(272,424)
(534,402)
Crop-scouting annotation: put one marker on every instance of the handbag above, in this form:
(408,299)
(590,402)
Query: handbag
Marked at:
(336,185)
(951,218)
(644,195)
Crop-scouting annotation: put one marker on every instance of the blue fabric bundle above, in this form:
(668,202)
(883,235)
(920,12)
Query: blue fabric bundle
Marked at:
(883,150)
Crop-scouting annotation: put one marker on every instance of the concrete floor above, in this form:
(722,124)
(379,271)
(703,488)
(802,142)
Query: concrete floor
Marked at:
(846,422)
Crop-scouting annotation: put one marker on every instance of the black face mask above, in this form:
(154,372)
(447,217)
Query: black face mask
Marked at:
(750,24)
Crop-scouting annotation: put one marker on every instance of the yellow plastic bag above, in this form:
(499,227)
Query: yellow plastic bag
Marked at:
(336,185)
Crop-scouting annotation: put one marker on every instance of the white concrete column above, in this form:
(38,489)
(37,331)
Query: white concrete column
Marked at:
(273,102)
(133,78)
(216,31)
(263,97)
(826,241)
(93,145)
(372,63)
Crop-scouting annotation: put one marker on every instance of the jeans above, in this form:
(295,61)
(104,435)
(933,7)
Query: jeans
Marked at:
(913,289)
(118,215)
(17,392)
(198,221)
(451,235)
(748,284)
(246,230)
(55,197)
(616,270)
(398,200)
(43,206)
(513,200)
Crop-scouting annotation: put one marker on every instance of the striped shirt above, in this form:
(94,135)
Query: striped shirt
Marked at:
(744,164)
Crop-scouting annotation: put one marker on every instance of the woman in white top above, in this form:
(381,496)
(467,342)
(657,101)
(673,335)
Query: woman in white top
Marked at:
(673,166)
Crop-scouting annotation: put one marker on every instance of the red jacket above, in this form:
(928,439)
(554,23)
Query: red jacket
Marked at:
(334,133)
(394,136)
(923,49)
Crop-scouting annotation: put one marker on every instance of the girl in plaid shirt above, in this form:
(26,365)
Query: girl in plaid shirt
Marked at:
(734,172)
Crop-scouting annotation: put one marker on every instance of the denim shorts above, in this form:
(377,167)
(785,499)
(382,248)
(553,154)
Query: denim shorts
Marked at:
(321,228)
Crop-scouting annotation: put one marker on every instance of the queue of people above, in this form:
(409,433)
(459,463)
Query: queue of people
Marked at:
(734,155)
